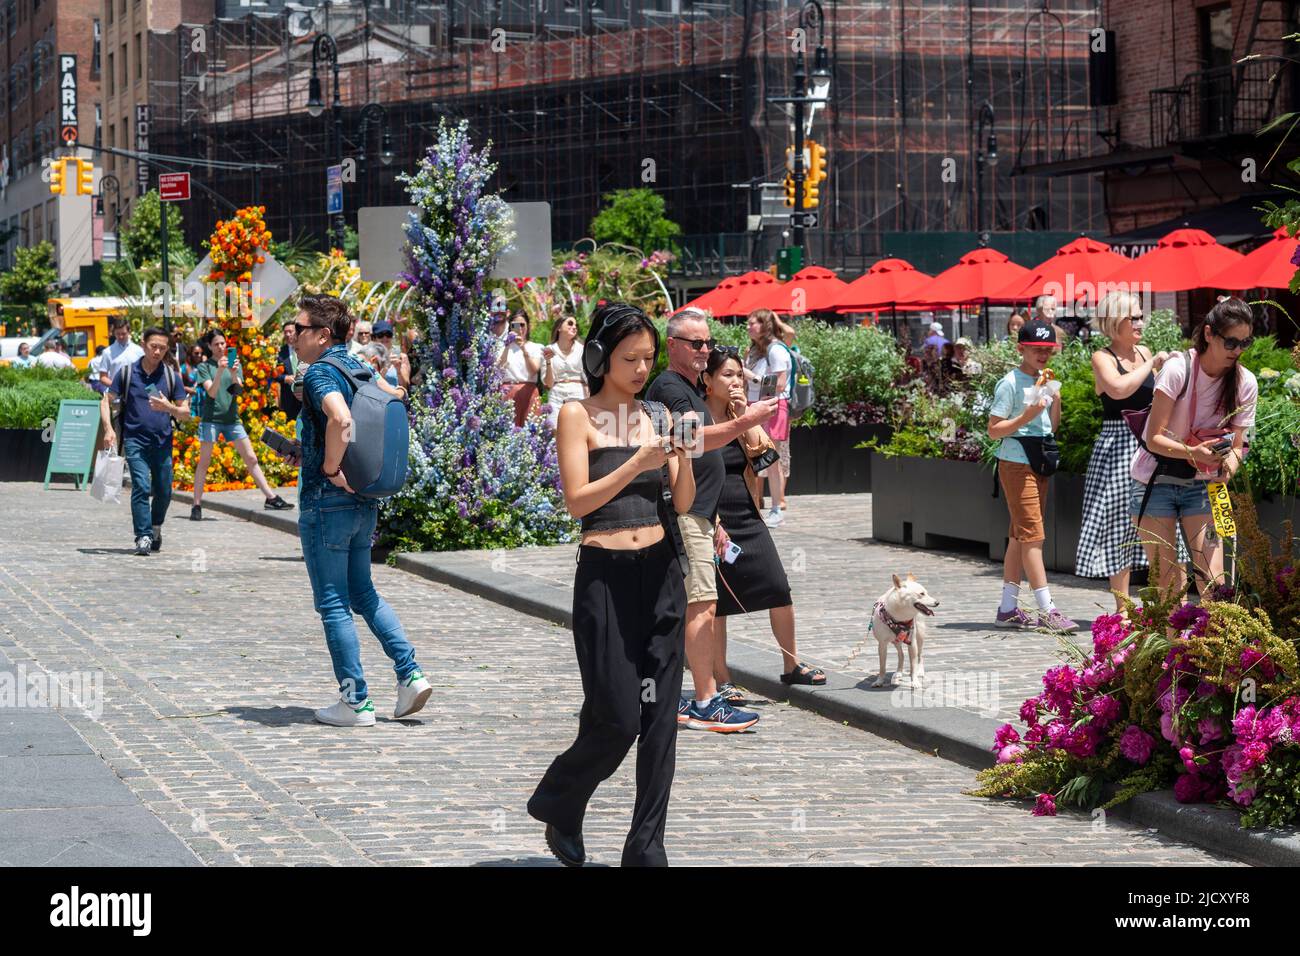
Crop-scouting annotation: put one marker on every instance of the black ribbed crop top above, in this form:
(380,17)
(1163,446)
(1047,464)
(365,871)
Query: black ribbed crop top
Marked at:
(636,506)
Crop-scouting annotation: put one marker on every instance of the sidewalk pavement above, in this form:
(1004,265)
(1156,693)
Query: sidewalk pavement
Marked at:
(212,659)
(60,804)
(977,676)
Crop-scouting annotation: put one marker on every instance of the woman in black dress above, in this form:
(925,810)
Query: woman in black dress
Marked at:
(756,581)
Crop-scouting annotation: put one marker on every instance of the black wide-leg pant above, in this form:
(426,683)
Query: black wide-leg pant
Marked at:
(629,611)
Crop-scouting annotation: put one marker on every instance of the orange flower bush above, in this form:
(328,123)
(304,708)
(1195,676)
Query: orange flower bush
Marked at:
(236,246)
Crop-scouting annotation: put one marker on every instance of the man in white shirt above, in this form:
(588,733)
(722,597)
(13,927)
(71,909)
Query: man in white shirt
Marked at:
(119,354)
(53,357)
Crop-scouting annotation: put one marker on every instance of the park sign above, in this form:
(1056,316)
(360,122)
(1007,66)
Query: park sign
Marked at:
(73,448)
(68,98)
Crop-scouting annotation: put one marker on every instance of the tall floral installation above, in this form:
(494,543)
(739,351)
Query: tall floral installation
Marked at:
(1213,710)
(476,480)
(236,247)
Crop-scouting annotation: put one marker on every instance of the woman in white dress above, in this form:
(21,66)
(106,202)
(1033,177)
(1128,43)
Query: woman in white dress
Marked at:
(562,372)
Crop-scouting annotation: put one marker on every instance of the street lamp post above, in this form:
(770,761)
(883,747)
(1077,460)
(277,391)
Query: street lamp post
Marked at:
(812,94)
(107,182)
(371,114)
(986,155)
(324,44)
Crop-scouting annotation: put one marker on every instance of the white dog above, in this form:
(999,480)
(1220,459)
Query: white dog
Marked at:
(898,619)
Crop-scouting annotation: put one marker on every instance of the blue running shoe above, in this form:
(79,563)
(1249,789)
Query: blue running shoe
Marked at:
(720,717)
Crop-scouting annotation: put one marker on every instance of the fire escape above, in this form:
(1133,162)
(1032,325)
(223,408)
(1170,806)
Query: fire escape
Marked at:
(1212,105)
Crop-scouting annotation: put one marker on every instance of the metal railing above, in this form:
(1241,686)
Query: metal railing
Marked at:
(722,254)
(1223,101)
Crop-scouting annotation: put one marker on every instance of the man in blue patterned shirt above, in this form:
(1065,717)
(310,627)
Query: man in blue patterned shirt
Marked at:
(336,525)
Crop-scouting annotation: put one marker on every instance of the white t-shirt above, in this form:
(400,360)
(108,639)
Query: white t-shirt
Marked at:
(567,369)
(1208,413)
(116,357)
(777,360)
(516,368)
(50,359)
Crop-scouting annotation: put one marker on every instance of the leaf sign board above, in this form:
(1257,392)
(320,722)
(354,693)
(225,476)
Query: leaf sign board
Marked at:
(73,449)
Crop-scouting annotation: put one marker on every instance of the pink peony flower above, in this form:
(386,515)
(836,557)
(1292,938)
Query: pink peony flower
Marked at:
(1011,753)
(1104,710)
(1045,805)
(1167,728)
(1029,712)
(1006,734)
(1188,757)
(1136,745)
(1210,730)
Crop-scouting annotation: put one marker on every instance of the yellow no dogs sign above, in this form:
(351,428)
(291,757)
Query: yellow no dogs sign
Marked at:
(1221,508)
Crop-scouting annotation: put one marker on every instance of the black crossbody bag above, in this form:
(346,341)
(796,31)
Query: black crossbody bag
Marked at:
(1043,452)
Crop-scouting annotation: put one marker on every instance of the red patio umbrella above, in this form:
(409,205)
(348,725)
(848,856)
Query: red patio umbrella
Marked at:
(1268,267)
(885,283)
(1184,259)
(811,289)
(725,293)
(979,276)
(1074,272)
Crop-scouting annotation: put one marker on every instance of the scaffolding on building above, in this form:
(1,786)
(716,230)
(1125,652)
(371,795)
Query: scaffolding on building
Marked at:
(662,93)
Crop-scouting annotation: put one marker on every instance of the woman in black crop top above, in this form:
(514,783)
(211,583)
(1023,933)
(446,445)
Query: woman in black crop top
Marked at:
(1124,376)
(629,594)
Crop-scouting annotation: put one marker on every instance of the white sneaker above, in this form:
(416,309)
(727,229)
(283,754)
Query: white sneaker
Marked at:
(343,714)
(412,694)
(773,518)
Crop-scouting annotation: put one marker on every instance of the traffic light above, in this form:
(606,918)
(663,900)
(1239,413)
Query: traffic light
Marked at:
(57,186)
(85,177)
(816,173)
(789,190)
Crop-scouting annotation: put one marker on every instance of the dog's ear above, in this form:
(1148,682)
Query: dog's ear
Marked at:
(911,576)
(897,583)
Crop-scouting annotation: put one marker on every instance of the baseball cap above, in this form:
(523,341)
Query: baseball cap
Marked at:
(965,341)
(936,327)
(1037,332)
(382,328)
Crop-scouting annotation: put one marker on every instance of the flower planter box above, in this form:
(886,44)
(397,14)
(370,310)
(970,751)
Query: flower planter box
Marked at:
(923,501)
(23,455)
(824,460)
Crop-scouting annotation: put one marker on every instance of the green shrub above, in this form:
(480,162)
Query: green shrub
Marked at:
(1264,353)
(11,376)
(1273,464)
(30,404)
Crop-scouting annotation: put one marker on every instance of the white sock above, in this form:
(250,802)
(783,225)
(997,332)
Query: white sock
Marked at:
(1010,595)
(1044,598)
(703,703)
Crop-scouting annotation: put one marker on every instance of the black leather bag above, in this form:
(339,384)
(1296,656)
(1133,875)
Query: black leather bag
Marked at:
(1043,453)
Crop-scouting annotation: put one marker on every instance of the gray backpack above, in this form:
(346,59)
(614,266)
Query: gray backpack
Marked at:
(376,458)
(802,393)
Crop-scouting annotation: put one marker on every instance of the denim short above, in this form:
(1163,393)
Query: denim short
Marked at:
(1170,501)
(208,431)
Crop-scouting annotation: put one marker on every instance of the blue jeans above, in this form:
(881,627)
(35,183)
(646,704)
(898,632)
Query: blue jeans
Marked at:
(151,476)
(335,531)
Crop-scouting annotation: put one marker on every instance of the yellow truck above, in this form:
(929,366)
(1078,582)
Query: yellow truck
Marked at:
(82,323)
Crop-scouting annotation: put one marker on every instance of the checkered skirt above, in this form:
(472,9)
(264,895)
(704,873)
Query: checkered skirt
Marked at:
(1108,542)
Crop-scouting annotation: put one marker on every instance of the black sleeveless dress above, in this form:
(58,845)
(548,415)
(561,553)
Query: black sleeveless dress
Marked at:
(757,577)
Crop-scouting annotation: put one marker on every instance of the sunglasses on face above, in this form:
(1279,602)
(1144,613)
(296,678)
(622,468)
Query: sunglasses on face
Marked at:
(695,344)
(300,328)
(1234,344)
(518,325)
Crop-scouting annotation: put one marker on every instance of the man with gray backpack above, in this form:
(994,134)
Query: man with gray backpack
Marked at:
(353,452)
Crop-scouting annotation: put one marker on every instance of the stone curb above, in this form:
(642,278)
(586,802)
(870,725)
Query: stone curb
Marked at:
(952,734)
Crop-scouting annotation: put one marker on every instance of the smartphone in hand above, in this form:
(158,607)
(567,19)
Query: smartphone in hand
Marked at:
(769,387)
(282,446)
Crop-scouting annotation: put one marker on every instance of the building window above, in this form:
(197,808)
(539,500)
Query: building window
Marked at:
(110,75)
(139,58)
(110,159)
(99,127)
(1216,99)
(122,78)
(94,51)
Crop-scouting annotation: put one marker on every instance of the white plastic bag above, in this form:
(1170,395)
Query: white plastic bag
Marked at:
(108,477)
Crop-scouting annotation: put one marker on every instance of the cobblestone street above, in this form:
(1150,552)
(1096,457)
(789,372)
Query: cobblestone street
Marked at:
(213,660)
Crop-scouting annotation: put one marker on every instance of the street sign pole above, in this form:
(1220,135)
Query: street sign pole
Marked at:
(172,187)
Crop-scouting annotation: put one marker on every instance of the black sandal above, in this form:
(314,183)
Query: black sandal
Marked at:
(801,673)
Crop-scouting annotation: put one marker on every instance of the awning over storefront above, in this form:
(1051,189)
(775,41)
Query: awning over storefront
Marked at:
(1229,223)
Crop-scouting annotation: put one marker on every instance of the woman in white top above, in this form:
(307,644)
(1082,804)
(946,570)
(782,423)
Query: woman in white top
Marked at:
(562,372)
(1204,403)
(521,360)
(768,355)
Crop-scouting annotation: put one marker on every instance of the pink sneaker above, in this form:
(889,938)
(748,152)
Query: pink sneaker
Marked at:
(1015,618)
(1054,620)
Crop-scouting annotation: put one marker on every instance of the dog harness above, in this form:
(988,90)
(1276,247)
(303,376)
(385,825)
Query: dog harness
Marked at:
(902,630)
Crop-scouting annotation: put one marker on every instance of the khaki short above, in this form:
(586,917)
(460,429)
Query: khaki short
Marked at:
(701,582)
(1026,494)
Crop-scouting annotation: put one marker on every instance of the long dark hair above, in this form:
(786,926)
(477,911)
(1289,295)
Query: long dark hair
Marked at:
(611,324)
(1221,318)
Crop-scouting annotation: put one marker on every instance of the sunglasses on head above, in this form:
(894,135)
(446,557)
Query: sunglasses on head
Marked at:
(695,344)
(1234,344)
(732,350)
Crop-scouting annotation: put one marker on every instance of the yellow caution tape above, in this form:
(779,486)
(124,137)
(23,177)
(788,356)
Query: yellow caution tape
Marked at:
(1221,508)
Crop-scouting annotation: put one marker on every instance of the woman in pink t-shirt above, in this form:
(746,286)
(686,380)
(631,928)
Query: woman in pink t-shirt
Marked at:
(1197,429)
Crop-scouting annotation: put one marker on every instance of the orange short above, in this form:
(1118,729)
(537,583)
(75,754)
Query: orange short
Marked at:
(1026,494)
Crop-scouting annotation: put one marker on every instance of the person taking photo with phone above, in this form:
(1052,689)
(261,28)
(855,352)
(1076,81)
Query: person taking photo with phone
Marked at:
(152,397)
(336,526)
(629,598)
(219,382)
